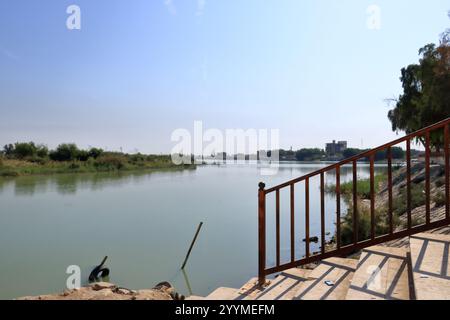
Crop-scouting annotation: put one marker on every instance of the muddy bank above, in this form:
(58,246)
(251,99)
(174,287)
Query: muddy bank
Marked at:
(110,291)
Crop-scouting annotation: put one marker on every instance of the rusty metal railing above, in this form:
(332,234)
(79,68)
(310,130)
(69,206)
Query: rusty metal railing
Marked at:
(357,244)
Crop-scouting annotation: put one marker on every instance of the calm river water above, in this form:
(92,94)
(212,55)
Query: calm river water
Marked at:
(144,222)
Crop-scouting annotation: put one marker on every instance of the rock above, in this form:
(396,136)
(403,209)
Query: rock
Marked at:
(66,293)
(167,288)
(312,239)
(124,291)
(151,294)
(97,286)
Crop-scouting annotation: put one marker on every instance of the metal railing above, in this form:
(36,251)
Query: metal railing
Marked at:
(357,244)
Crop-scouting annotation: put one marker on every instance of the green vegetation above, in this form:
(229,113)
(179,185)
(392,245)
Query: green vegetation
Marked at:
(316,154)
(305,154)
(381,216)
(364,223)
(440,182)
(399,204)
(424,101)
(362,186)
(426,91)
(29,159)
(440,199)
(397,153)
(310,154)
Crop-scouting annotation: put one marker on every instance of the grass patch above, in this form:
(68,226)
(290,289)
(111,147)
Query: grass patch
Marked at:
(106,163)
(440,199)
(364,224)
(399,204)
(362,186)
(440,182)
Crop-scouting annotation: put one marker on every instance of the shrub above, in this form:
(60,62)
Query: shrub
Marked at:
(363,187)
(440,182)
(137,158)
(95,153)
(364,224)
(111,162)
(8,150)
(24,149)
(65,152)
(42,151)
(83,155)
(74,166)
(417,199)
(440,199)
(36,159)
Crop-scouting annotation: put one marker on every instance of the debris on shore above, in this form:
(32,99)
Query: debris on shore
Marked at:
(110,291)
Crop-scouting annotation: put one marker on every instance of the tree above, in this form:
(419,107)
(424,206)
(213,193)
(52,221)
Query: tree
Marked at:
(82,155)
(8,150)
(24,149)
(65,152)
(350,152)
(426,91)
(309,154)
(95,153)
(42,151)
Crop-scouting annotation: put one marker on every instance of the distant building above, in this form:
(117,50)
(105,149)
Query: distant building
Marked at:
(334,148)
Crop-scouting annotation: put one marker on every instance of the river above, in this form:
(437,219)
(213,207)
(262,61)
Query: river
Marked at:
(144,223)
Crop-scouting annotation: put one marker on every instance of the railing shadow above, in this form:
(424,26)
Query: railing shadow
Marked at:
(368,287)
(443,260)
(314,283)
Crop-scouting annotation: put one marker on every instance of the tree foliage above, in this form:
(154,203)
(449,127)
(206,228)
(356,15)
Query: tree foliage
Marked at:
(65,152)
(309,154)
(426,91)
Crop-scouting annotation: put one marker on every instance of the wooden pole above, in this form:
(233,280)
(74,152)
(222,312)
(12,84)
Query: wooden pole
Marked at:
(192,245)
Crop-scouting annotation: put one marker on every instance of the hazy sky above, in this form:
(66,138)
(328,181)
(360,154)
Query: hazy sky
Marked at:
(137,70)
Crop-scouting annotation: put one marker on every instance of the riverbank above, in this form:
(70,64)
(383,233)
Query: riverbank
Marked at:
(110,291)
(16,168)
(399,204)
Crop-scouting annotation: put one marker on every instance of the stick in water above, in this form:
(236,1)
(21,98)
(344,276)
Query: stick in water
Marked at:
(192,245)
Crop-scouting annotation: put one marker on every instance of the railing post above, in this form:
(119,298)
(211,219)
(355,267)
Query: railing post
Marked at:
(322,212)
(390,199)
(355,202)
(447,169)
(262,234)
(338,207)
(408,182)
(427,177)
(307,217)
(372,197)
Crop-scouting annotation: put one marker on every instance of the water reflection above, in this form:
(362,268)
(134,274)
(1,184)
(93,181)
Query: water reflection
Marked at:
(70,184)
(143,222)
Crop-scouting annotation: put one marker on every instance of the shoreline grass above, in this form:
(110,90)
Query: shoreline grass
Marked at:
(10,168)
(362,187)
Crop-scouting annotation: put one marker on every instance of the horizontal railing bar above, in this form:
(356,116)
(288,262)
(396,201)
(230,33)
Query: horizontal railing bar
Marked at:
(360,245)
(365,154)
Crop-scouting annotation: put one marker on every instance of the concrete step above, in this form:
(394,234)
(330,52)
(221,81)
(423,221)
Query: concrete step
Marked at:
(381,274)
(430,259)
(223,293)
(283,287)
(330,280)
